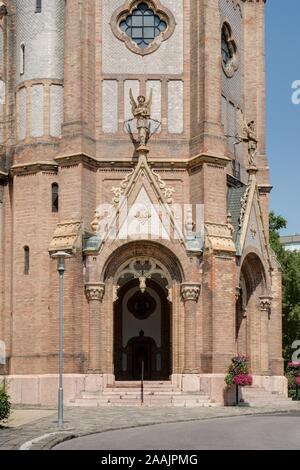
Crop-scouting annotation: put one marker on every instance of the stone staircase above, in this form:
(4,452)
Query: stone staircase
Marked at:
(156,394)
(256,396)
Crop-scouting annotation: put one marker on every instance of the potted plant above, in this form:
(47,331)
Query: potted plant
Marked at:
(238,374)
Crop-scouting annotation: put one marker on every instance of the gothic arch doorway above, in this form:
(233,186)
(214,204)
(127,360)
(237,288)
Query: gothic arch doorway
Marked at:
(142,321)
(252,320)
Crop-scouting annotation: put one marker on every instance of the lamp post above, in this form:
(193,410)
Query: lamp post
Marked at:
(61,256)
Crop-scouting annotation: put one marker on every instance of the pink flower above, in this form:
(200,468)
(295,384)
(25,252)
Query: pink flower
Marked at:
(243,380)
(294,364)
(297,380)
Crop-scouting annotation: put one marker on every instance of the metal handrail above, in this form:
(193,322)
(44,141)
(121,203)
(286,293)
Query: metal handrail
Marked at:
(142,384)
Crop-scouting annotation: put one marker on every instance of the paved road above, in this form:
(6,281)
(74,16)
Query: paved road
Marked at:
(270,432)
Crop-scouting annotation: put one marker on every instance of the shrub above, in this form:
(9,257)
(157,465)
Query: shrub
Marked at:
(5,404)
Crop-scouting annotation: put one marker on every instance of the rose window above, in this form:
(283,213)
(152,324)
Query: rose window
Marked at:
(143,25)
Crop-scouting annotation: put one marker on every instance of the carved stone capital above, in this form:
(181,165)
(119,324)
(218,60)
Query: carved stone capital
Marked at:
(190,292)
(265,303)
(95,291)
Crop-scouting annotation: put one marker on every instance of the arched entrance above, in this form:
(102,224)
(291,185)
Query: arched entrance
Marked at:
(252,319)
(142,322)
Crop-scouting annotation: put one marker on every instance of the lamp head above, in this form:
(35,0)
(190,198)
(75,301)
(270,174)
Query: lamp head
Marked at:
(61,256)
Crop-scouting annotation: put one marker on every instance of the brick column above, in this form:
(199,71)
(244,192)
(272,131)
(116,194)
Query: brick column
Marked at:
(95,293)
(190,295)
(265,308)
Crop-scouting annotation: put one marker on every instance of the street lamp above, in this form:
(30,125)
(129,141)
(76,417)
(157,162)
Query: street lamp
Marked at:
(60,256)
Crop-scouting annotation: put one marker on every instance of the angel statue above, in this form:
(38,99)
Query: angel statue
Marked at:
(141,110)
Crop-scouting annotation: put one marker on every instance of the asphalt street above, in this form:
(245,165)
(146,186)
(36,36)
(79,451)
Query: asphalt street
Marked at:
(268,432)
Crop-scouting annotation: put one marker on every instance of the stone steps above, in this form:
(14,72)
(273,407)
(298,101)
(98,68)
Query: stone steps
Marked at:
(256,396)
(129,394)
(151,401)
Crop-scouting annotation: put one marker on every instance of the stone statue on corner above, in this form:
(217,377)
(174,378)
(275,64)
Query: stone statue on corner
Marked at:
(247,133)
(252,142)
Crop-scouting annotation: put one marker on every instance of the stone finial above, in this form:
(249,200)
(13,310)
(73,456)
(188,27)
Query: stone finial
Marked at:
(95,291)
(190,292)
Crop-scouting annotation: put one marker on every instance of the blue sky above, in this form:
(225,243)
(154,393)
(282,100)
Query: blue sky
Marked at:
(283,117)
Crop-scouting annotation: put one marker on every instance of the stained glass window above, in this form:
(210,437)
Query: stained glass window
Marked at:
(143,25)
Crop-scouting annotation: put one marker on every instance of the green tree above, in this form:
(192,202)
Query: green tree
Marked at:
(290,263)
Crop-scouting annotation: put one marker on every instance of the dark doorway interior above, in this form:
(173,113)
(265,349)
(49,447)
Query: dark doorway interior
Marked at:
(140,348)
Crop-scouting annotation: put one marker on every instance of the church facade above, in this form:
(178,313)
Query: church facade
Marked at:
(133,139)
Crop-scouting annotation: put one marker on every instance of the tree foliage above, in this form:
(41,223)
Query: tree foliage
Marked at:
(290,263)
(4,404)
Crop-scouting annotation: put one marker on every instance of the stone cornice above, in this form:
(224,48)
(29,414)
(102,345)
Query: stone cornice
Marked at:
(34,167)
(264,188)
(184,163)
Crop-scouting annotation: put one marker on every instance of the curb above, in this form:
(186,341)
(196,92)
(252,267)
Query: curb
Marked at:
(54,439)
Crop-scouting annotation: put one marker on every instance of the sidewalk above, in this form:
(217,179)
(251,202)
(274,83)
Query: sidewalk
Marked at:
(28,424)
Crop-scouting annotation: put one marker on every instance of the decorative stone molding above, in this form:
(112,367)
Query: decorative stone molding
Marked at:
(143,268)
(95,291)
(167,192)
(244,203)
(66,236)
(219,238)
(115,293)
(190,292)
(266,304)
(120,190)
(125,10)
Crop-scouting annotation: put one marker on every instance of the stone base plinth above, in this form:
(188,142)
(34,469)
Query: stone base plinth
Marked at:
(190,383)
(41,390)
